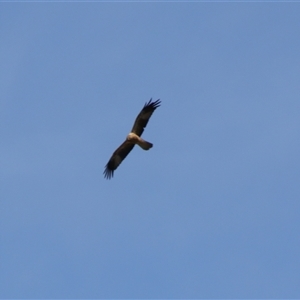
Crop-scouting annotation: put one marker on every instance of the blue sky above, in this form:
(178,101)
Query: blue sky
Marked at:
(211,211)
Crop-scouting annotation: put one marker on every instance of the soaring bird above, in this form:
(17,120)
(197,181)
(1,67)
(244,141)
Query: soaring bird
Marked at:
(133,138)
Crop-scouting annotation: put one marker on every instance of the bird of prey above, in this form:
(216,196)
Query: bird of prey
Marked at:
(133,138)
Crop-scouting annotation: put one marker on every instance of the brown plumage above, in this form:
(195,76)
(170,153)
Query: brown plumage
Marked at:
(134,137)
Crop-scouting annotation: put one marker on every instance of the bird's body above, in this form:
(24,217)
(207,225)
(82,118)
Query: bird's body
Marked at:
(132,139)
(135,139)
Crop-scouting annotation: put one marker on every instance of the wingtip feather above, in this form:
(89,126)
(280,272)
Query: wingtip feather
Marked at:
(108,173)
(154,104)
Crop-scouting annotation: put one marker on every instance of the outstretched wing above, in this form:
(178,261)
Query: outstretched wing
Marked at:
(117,158)
(144,116)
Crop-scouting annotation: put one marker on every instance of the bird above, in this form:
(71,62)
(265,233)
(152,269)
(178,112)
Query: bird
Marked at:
(132,139)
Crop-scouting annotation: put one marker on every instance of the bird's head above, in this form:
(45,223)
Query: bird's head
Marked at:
(131,137)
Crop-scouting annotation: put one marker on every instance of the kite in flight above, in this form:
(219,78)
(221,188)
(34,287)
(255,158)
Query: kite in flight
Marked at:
(134,137)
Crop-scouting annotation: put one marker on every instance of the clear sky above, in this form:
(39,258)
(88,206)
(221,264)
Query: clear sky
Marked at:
(211,211)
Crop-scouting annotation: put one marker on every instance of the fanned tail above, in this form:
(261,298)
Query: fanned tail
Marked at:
(144,144)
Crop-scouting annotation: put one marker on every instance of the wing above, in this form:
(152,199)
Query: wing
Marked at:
(143,117)
(117,158)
